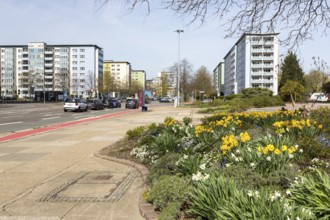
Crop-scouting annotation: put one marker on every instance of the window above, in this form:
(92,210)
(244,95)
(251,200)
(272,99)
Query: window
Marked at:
(74,56)
(74,68)
(74,62)
(82,68)
(82,56)
(82,50)
(74,50)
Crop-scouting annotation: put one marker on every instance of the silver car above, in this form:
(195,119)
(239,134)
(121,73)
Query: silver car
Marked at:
(74,104)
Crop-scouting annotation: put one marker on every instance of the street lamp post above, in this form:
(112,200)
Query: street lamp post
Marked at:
(179,69)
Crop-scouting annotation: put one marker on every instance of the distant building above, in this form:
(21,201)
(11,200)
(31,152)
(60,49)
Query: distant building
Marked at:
(50,69)
(218,77)
(138,78)
(251,63)
(166,84)
(121,71)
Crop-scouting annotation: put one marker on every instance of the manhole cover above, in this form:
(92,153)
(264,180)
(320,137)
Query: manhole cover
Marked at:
(92,187)
(103,177)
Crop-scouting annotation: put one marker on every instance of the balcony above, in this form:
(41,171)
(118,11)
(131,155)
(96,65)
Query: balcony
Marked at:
(49,64)
(48,70)
(48,77)
(48,58)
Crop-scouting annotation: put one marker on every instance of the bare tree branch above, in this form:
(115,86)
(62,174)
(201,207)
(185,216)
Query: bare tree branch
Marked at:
(299,17)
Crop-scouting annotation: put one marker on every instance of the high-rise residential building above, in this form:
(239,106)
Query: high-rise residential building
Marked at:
(120,71)
(138,78)
(166,84)
(218,77)
(251,63)
(45,71)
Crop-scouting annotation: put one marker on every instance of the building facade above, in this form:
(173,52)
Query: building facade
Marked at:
(120,71)
(42,71)
(251,63)
(138,78)
(218,78)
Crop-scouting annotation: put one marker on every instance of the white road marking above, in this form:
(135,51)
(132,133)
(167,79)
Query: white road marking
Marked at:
(16,122)
(50,118)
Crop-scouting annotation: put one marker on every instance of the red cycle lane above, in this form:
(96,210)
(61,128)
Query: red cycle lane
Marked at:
(22,134)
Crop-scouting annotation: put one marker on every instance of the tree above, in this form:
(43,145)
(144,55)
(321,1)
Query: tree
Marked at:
(185,77)
(300,18)
(292,89)
(90,84)
(315,81)
(203,81)
(108,83)
(291,70)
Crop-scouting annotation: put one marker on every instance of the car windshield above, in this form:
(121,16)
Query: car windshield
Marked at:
(72,100)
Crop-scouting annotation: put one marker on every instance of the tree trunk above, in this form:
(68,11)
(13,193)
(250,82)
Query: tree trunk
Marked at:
(292,101)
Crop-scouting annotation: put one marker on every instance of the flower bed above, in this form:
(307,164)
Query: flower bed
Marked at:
(238,166)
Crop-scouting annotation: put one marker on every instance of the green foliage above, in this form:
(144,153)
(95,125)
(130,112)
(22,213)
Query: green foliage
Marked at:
(265,101)
(169,189)
(321,116)
(292,89)
(171,211)
(166,142)
(312,191)
(220,198)
(135,133)
(165,165)
(245,177)
(189,165)
(256,92)
(291,70)
(187,120)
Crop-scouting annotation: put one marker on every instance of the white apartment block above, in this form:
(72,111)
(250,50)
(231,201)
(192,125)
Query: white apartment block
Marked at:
(218,77)
(121,71)
(252,62)
(38,68)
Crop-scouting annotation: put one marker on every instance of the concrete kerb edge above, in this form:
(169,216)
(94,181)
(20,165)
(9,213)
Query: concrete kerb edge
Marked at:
(146,209)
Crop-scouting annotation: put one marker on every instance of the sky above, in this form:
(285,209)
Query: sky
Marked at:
(148,41)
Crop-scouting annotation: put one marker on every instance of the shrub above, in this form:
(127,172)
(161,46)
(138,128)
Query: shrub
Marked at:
(256,92)
(169,189)
(165,165)
(265,101)
(312,191)
(170,212)
(135,133)
(186,120)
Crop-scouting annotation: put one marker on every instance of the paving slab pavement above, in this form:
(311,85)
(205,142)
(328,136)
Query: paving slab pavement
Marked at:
(55,174)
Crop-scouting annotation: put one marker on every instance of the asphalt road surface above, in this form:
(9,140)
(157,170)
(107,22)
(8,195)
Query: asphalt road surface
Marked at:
(18,117)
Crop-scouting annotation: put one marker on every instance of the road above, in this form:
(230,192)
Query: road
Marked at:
(57,174)
(18,117)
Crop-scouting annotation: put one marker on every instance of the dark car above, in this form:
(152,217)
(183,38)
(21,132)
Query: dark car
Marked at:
(132,103)
(115,102)
(95,104)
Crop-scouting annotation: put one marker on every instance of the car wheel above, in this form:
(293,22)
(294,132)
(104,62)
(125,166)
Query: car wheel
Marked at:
(79,109)
(65,110)
(85,109)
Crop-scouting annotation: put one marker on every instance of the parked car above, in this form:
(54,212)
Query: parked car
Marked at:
(165,99)
(132,103)
(74,104)
(95,104)
(116,102)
